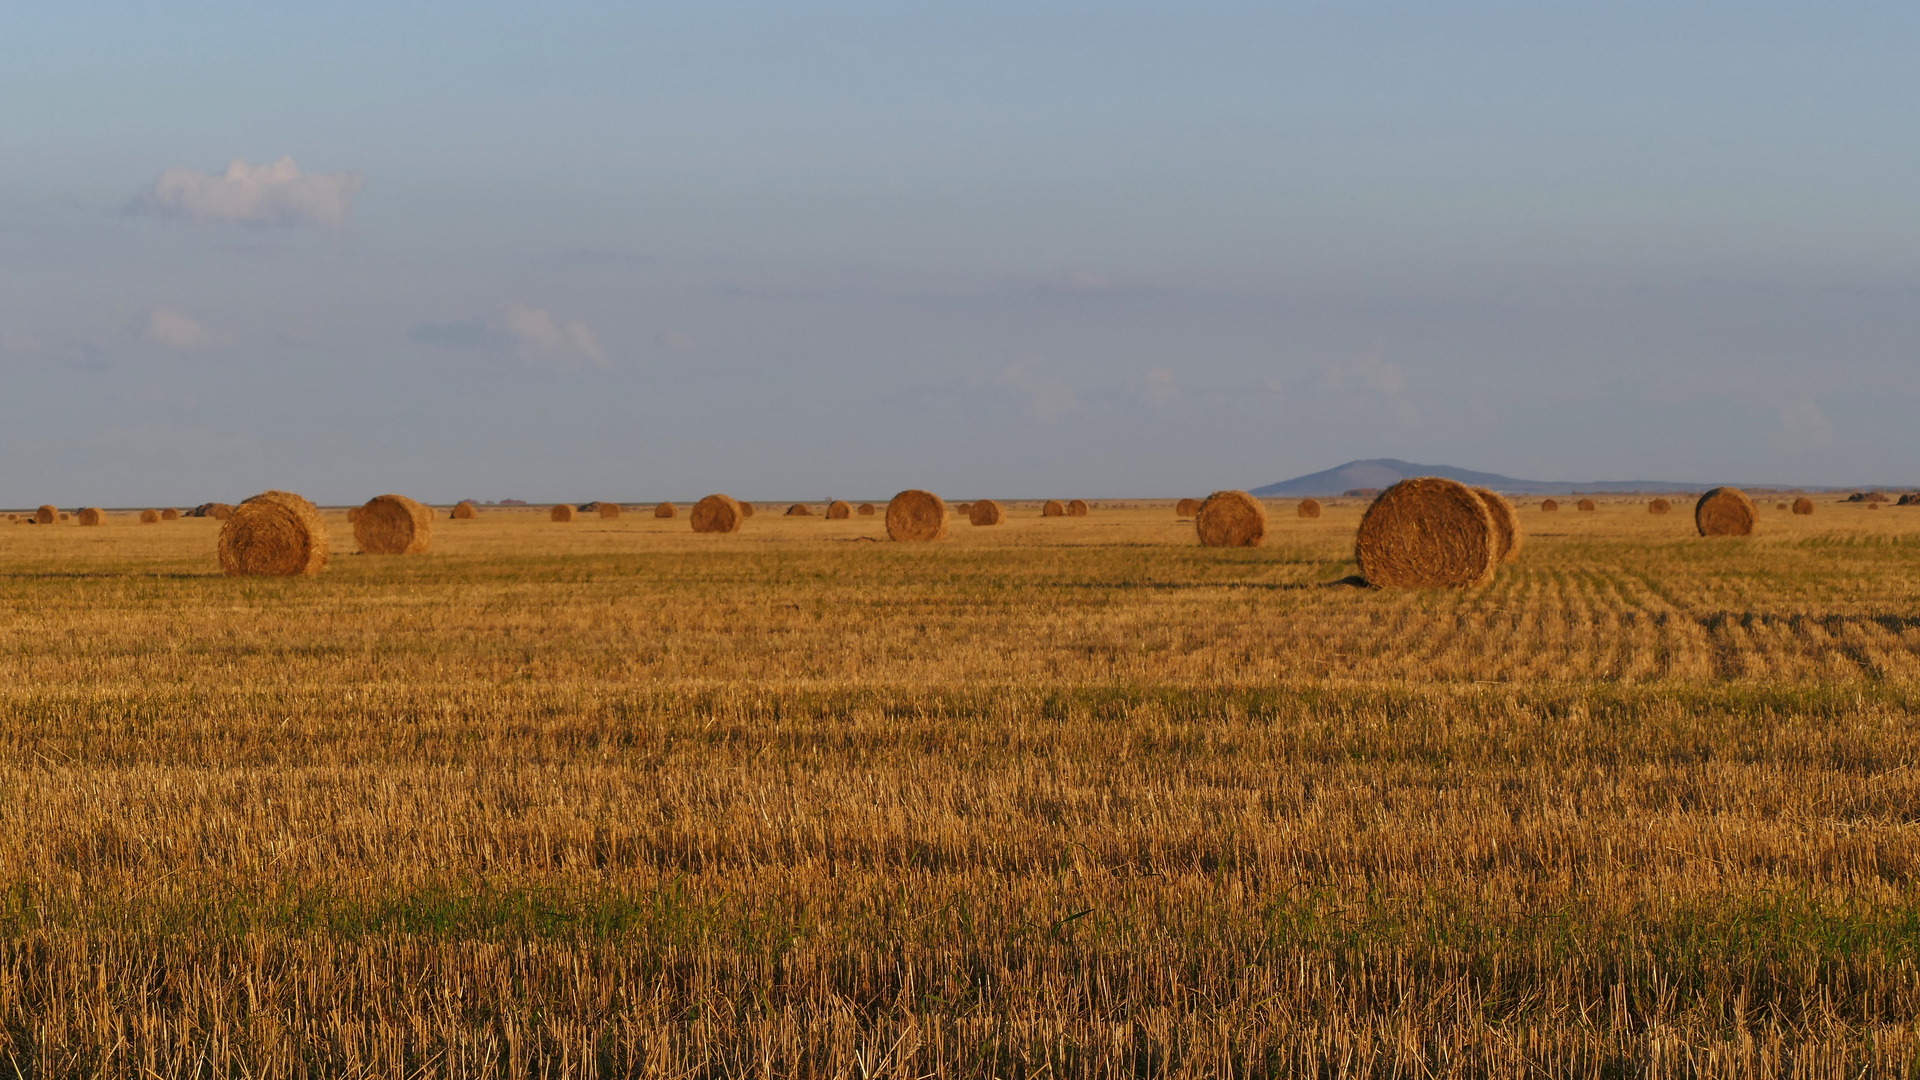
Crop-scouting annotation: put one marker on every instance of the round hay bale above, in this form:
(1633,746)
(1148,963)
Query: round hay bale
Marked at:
(1427,532)
(1548,506)
(353,514)
(46,515)
(169,514)
(1659,506)
(963,509)
(1586,504)
(665,510)
(716,514)
(1308,508)
(916,515)
(1779,506)
(93,515)
(465,511)
(1803,506)
(1077,508)
(609,511)
(1724,511)
(1506,524)
(746,509)
(866,510)
(1231,519)
(799,510)
(560,512)
(986,512)
(1054,508)
(839,510)
(147,517)
(275,532)
(393,525)
(1186,508)
(219,511)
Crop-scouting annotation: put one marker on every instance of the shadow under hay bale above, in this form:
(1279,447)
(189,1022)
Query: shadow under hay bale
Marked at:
(1427,532)
(273,533)
(1231,519)
(716,514)
(986,512)
(1725,511)
(393,525)
(1506,524)
(917,516)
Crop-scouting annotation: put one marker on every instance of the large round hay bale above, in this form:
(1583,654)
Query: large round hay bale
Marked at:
(393,525)
(1231,519)
(986,512)
(1506,524)
(746,509)
(1308,508)
(839,510)
(465,511)
(1186,508)
(169,514)
(866,510)
(1549,506)
(1053,508)
(275,532)
(560,512)
(1725,511)
(916,515)
(799,510)
(149,517)
(716,514)
(46,515)
(1659,506)
(1587,504)
(665,510)
(1077,508)
(93,515)
(1427,532)
(609,511)
(1803,506)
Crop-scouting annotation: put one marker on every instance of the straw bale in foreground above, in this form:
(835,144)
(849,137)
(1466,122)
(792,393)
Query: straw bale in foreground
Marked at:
(716,514)
(1725,511)
(986,512)
(1427,532)
(917,515)
(393,525)
(275,532)
(1231,519)
(1506,524)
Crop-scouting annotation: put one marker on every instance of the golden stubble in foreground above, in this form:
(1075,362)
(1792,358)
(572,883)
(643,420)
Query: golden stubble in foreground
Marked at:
(607,797)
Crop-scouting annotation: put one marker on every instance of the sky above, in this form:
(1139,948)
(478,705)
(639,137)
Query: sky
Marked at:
(651,251)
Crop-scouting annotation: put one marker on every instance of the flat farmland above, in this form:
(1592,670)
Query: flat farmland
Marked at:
(1068,796)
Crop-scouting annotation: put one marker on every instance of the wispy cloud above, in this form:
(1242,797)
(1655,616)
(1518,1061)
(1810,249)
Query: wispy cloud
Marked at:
(1803,427)
(272,194)
(530,333)
(172,329)
(1043,397)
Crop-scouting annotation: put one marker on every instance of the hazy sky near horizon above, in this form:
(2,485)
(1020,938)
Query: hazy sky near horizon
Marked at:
(581,251)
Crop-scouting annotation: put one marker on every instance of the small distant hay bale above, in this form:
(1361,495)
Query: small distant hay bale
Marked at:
(1586,504)
(746,509)
(275,532)
(716,514)
(609,511)
(1054,508)
(866,510)
(1308,508)
(1659,506)
(465,511)
(63,515)
(1427,532)
(963,509)
(917,516)
(216,511)
(986,512)
(799,510)
(1077,508)
(93,515)
(839,510)
(149,517)
(1803,506)
(560,512)
(1549,506)
(46,515)
(1779,506)
(1231,519)
(169,514)
(665,510)
(353,514)
(1186,508)
(1725,511)
(393,525)
(1506,524)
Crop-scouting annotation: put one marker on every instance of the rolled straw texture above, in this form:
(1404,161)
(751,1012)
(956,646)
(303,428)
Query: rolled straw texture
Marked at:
(275,532)
(986,512)
(1308,508)
(1803,506)
(393,525)
(1231,519)
(1427,532)
(560,512)
(1506,524)
(716,514)
(1725,511)
(1053,508)
(839,510)
(93,515)
(917,516)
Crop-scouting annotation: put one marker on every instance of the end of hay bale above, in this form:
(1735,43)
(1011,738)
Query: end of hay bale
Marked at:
(1077,508)
(1725,511)
(1507,535)
(716,514)
(607,510)
(1587,504)
(274,533)
(46,515)
(169,514)
(1053,508)
(393,525)
(839,510)
(464,511)
(1186,508)
(1231,519)
(1659,506)
(746,509)
(1427,532)
(986,512)
(866,510)
(93,515)
(799,510)
(666,510)
(917,516)
(560,512)
(1308,508)
(149,517)
(1802,506)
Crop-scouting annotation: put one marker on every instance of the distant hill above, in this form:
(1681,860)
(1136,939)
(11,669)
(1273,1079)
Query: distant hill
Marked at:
(1383,472)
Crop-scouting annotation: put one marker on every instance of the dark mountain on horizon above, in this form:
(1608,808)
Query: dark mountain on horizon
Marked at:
(1383,472)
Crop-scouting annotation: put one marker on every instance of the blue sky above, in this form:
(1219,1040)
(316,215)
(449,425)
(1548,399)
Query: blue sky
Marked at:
(787,251)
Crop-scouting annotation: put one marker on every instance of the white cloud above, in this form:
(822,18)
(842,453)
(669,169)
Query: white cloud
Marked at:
(1802,427)
(1160,390)
(527,332)
(274,194)
(173,329)
(1047,397)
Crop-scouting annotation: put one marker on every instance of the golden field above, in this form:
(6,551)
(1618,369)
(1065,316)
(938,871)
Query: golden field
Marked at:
(1062,797)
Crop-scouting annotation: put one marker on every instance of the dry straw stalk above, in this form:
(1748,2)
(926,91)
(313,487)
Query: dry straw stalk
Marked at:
(716,514)
(1231,519)
(393,525)
(1427,532)
(917,515)
(1725,511)
(275,532)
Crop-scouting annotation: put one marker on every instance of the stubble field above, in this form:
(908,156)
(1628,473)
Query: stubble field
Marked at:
(1064,797)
